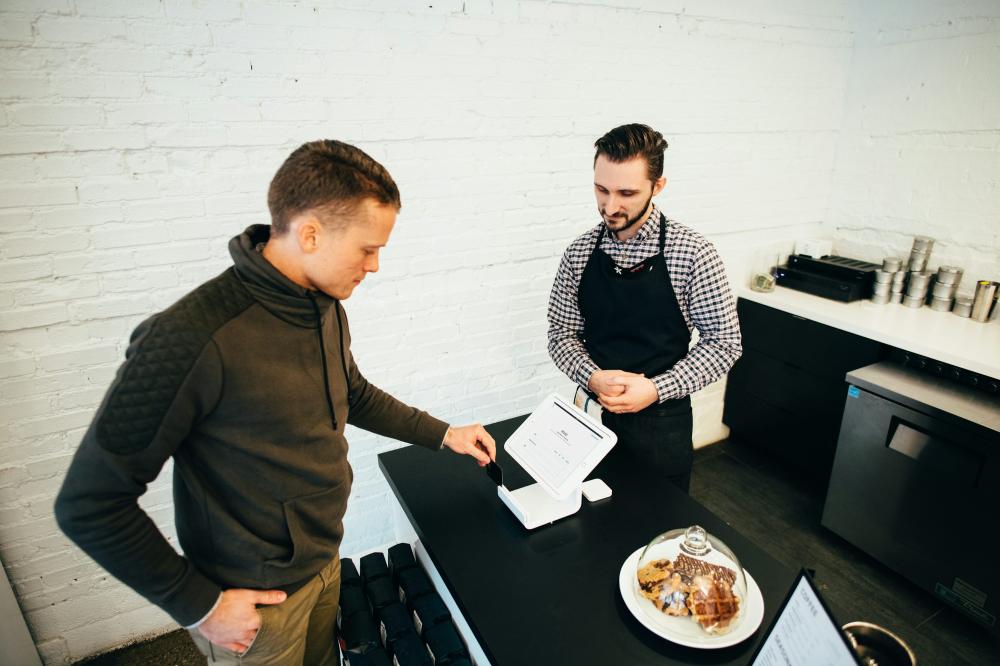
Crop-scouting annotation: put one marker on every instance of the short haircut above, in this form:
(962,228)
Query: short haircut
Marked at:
(328,177)
(635,140)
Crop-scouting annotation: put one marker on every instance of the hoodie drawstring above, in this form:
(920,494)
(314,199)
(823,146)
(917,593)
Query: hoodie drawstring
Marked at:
(343,355)
(322,352)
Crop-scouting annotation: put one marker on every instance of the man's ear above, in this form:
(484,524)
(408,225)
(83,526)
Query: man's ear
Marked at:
(307,232)
(659,184)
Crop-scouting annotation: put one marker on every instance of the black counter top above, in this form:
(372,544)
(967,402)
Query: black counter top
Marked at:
(550,596)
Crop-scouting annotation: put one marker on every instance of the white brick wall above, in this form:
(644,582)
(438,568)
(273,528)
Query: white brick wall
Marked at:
(136,137)
(920,146)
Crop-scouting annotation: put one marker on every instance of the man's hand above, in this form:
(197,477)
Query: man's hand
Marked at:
(601,384)
(235,621)
(472,440)
(637,393)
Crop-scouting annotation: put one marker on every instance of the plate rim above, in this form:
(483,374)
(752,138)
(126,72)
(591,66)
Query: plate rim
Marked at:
(723,641)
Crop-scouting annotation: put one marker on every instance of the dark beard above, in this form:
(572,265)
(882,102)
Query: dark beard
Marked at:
(633,221)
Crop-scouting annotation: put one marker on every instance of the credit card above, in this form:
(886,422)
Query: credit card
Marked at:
(495,472)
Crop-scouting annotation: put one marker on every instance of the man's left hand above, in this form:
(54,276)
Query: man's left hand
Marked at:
(640,392)
(472,440)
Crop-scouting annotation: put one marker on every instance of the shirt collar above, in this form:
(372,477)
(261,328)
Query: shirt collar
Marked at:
(649,227)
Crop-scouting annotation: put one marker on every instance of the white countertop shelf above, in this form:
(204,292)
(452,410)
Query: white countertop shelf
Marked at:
(962,342)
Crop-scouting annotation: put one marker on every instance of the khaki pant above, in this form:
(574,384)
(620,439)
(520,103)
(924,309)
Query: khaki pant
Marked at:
(299,631)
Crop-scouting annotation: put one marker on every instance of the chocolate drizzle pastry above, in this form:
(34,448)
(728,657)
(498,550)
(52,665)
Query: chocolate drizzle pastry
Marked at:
(693,567)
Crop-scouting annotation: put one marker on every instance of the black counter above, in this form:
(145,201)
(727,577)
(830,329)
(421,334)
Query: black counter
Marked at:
(550,596)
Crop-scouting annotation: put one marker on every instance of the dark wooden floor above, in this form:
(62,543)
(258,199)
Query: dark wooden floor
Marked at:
(780,512)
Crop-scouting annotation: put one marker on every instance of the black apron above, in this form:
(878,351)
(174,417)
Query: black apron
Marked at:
(632,322)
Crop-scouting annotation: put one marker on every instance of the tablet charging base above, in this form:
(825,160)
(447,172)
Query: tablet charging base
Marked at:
(534,506)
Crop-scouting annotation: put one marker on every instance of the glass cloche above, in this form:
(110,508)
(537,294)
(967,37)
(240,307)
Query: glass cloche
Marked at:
(689,582)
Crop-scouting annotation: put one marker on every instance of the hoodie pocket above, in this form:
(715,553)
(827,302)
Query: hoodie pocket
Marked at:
(315,529)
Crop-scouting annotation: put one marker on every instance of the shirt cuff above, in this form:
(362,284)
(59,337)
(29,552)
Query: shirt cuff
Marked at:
(205,617)
(587,368)
(667,387)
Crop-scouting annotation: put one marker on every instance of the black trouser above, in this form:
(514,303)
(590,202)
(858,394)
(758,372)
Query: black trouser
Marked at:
(658,437)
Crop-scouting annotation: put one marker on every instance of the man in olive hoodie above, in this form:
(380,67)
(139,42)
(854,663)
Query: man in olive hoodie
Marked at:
(247,383)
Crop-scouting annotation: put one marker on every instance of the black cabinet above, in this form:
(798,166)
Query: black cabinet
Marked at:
(786,394)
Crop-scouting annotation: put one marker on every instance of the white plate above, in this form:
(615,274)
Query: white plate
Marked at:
(684,630)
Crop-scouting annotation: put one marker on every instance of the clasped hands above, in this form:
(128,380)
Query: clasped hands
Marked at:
(622,392)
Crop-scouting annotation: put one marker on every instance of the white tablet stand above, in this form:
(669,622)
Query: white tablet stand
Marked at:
(534,506)
(546,501)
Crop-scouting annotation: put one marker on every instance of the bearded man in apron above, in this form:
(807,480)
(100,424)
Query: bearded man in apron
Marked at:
(626,298)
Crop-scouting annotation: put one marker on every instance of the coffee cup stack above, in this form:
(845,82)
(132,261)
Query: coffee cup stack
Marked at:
(945,285)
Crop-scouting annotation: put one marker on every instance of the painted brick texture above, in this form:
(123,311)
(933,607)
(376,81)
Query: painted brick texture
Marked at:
(137,137)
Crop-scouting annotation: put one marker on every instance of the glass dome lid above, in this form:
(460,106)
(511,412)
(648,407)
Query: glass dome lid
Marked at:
(689,582)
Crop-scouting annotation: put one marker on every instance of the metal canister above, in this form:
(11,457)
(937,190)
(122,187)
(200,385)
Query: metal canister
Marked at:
(923,243)
(949,275)
(880,299)
(913,301)
(883,277)
(877,645)
(982,302)
(881,288)
(892,264)
(943,290)
(919,280)
(962,307)
(941,304)
(918,261)
(896,297)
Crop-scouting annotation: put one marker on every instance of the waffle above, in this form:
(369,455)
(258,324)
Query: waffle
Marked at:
(712,603)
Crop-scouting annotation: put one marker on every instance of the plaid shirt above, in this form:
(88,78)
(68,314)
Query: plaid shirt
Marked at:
(700,286)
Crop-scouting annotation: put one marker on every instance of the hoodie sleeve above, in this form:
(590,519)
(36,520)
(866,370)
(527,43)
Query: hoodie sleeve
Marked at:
(376,411)
(169,380)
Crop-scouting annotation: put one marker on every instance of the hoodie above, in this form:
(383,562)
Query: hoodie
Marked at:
(247,383)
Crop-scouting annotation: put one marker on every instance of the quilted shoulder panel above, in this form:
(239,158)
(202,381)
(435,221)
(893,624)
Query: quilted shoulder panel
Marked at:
(159,360)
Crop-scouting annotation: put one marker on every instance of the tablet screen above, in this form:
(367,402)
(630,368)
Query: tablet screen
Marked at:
(556,442)
(804,632)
